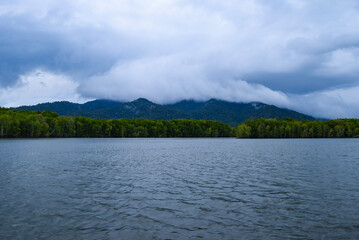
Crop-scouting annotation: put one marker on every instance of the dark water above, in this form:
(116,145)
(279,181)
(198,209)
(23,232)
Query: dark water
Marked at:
(179,189)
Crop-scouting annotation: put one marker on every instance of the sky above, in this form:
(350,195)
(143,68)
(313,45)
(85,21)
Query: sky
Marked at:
(298,54)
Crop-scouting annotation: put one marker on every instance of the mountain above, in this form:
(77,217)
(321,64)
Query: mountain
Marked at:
(108,109)
(226,112)
(234,113)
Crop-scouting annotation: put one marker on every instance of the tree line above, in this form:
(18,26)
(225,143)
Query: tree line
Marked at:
(35,124)
(290,128)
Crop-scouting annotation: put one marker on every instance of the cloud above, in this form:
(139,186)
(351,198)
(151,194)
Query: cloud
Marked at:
(248,50)
(170,79)
(341,62)
(40,87)
(337,103)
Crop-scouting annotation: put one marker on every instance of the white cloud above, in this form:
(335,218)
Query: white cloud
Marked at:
(336,103)
(341,62)
(39,87)
(170,79)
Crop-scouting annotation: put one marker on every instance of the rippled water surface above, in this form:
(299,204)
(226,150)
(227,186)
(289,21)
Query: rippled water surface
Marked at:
(179,189)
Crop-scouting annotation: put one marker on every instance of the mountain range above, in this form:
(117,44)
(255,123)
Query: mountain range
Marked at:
(227,112)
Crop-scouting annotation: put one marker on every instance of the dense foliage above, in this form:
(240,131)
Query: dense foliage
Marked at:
(18,123)
(289,128)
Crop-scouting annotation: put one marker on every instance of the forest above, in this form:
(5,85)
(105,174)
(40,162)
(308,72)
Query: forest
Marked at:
(290,128)
(37,124)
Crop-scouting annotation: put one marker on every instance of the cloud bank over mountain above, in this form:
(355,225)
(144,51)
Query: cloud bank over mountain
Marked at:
(297,54)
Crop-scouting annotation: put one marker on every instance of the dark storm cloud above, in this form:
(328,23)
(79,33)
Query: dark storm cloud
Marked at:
(26,45)
(284,52)
(301,82)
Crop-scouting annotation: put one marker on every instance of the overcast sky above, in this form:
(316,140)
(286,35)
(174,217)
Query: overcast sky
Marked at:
(299,54)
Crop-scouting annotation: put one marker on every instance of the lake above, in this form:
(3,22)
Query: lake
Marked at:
(179,189)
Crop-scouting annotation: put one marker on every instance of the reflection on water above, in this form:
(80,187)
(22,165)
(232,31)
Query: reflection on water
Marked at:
(179,189)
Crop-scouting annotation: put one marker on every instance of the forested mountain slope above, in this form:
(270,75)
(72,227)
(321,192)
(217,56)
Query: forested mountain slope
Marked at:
(227,112)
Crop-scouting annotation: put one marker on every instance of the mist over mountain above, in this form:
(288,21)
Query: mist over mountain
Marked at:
(227,112)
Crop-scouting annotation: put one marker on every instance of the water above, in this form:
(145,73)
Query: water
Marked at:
(179,189)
